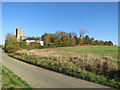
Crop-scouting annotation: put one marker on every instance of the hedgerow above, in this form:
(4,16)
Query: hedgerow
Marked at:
(70,70)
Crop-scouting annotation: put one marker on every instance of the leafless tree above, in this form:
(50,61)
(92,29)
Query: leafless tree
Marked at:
(82,32)
(10,37)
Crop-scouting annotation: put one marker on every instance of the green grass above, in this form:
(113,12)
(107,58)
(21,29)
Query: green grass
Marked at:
(101,51)
(73,69)
(10,80)
(68,69)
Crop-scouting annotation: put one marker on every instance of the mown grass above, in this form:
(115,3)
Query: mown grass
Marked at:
(10,80)
(68,69)
(103,52)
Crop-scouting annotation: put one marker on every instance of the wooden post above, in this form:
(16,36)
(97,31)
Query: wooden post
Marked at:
(27,49)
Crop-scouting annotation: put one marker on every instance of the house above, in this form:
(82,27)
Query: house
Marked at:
(30,40)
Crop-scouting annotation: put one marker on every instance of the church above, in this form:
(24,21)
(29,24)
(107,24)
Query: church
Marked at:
(20,38)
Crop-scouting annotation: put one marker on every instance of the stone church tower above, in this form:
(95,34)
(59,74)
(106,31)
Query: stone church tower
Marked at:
(19,34)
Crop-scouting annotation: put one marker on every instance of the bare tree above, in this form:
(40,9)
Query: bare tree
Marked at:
(82,32)
(10,37)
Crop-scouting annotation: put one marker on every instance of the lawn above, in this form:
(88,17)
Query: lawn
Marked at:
(10,80)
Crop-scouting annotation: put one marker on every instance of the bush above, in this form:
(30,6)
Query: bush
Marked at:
(51,45)
(59,44)
(23,45)
(12,47)
(45,46)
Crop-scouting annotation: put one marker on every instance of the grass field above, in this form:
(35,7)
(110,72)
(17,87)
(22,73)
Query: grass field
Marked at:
(87,57)
(10,80)
(94,63)
(104,52)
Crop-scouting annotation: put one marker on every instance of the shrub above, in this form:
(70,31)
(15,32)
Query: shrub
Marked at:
(45,46)
(51,45)
(11,47)
(23,45)
(113,83)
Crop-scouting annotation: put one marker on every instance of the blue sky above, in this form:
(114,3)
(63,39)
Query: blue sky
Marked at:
(100,19)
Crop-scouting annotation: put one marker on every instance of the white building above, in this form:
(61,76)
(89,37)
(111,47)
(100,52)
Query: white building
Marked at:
(30,41)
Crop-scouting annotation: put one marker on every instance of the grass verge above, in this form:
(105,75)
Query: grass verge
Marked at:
(10,80)
(71,71)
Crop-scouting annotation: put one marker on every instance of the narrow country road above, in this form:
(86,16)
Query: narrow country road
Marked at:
(42,78)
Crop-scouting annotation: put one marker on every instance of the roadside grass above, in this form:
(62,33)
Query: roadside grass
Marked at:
(11,81)
(68,69)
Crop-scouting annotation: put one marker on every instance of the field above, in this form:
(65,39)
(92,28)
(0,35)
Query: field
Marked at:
(10,80)
(103,52)
(87,58)
(106,53)
(94,63)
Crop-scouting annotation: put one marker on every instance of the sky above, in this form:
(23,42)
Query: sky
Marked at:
(100,19)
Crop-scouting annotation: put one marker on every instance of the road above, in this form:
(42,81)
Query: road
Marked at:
(42,78)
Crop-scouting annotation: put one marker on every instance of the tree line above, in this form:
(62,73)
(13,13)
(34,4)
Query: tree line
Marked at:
(63,39)
(51,40)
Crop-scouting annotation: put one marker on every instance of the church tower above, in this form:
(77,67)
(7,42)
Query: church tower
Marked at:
(19,34)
